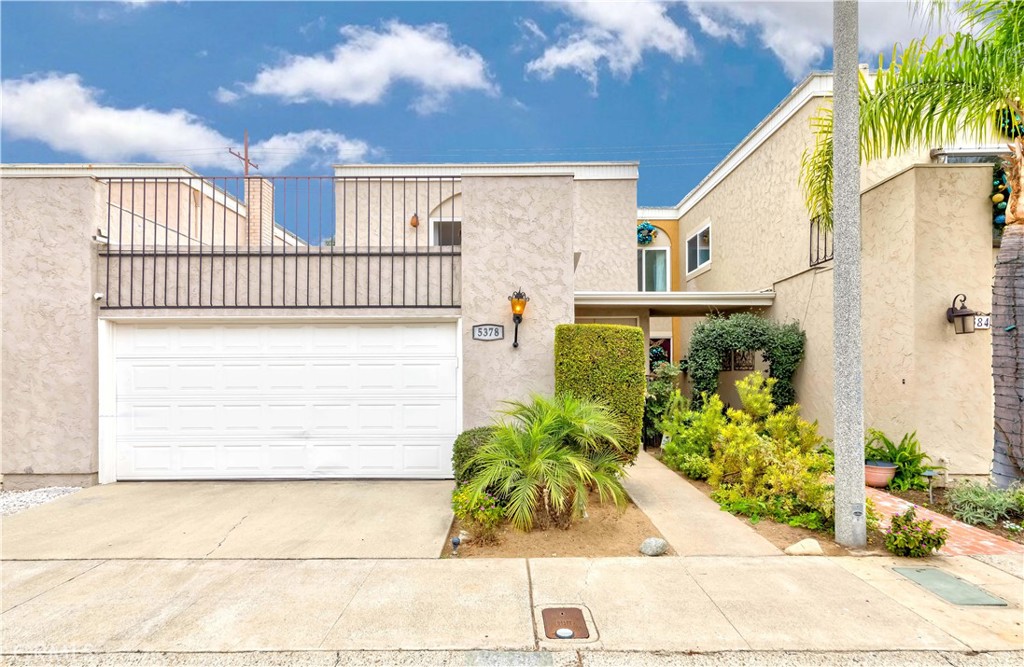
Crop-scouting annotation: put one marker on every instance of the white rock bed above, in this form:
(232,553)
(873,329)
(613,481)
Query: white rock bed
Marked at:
(12,502)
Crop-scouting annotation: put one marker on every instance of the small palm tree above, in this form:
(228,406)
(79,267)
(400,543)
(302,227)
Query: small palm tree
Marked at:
(588,426)
(548,457)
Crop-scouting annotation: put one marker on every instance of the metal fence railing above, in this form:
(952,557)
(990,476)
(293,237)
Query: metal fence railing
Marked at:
(282,242)
(820,243)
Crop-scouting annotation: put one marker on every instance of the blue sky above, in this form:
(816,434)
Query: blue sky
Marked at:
(674,85)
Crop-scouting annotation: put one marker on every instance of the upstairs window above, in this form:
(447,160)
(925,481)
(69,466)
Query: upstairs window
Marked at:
(445,232)
(652,269)
(698,250)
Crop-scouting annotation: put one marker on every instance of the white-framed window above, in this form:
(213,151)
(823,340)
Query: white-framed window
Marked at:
(446,231)
(698,250)
(652,266)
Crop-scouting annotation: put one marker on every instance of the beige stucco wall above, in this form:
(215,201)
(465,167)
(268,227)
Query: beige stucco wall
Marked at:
(372,212)
(519,232)
(49,370)
(172,212)
(926,236)
(507,244)
(603,211)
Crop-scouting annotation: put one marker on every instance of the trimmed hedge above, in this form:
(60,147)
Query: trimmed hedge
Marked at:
(606,363)
(464,448)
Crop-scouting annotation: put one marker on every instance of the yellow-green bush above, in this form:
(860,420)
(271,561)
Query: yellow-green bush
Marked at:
(764,462)
(691,432)
(608,364)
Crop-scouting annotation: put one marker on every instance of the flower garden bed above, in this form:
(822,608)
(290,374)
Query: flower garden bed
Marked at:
(606,531)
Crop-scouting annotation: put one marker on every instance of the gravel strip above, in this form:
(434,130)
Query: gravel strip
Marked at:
(12,502)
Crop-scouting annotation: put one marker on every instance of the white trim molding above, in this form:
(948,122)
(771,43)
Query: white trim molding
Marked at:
(580,171)
(668,304)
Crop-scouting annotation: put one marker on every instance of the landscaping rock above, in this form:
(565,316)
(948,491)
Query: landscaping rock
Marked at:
(653,546)
(808,547)
(464,537)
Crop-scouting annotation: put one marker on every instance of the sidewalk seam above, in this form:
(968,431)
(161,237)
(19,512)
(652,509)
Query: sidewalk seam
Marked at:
(533,611)
(714,602)
(55,587)
(884,592)
(345,608)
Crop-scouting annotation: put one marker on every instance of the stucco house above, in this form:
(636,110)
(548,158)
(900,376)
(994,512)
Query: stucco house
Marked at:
(927,236)
(160,325)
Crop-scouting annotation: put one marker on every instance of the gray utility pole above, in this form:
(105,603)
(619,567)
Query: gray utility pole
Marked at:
(848,388)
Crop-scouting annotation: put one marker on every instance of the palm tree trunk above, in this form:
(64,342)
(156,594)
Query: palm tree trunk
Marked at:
(1008,332)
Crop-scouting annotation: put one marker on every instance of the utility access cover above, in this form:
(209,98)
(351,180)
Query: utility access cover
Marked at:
(950,588)
(561,618)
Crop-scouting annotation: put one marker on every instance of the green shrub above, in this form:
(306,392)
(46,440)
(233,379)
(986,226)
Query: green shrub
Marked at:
(464,448)
(691,432)
(770,463)
(982,505)
(540,460)
(695,466)
(911,537)
(908,457)
(782,346)
(605,363)
(481,513)
(661,388)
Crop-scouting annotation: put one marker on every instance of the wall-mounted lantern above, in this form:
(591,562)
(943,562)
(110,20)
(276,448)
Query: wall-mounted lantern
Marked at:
(961,316)
(518,301)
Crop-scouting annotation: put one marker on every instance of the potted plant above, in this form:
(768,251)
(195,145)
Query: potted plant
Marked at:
(898,466)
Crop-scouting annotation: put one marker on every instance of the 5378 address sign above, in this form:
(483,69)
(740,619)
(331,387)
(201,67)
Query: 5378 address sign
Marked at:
(488,332)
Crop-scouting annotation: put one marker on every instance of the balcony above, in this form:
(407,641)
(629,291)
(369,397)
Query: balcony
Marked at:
(281,242)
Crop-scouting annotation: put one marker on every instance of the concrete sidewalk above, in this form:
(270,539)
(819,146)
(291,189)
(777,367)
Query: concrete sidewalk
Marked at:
(702,604)
(691,522)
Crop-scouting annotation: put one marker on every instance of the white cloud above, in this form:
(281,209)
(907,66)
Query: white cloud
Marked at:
(225,96)
(531,30)
(615,34)
(321,146)
(61,112)
(800,33)
(368,63)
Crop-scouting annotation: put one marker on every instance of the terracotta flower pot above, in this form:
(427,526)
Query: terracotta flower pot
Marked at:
(878,473)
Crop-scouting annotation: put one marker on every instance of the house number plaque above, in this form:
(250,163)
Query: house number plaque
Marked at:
(488,331)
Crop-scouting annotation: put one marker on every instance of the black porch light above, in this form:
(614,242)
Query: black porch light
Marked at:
(518,301)
(961,316)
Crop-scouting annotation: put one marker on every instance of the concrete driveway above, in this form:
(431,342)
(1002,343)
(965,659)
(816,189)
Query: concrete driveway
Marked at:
(196,520)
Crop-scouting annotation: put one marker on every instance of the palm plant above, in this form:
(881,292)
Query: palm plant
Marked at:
(587,426)
(547,457)
(936,93)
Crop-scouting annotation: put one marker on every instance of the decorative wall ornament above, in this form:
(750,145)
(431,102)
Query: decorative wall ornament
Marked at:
(743,360)
(646,233)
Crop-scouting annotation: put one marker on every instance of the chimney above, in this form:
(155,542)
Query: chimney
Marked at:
(259,202)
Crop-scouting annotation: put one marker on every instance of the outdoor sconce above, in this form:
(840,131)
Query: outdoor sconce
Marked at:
(962,317)
(518,301)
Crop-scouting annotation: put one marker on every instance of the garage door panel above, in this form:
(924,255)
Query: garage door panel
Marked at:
(290,400)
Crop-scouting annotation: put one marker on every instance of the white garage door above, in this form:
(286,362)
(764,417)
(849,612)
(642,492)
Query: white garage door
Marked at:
(252,401)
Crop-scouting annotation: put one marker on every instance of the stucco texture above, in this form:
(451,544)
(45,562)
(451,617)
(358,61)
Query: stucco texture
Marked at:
(49,370)
(601,213)
(507,244)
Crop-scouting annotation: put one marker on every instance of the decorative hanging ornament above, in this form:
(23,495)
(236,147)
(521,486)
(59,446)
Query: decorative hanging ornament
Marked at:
(998,197)
(646,233)
(414,221)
